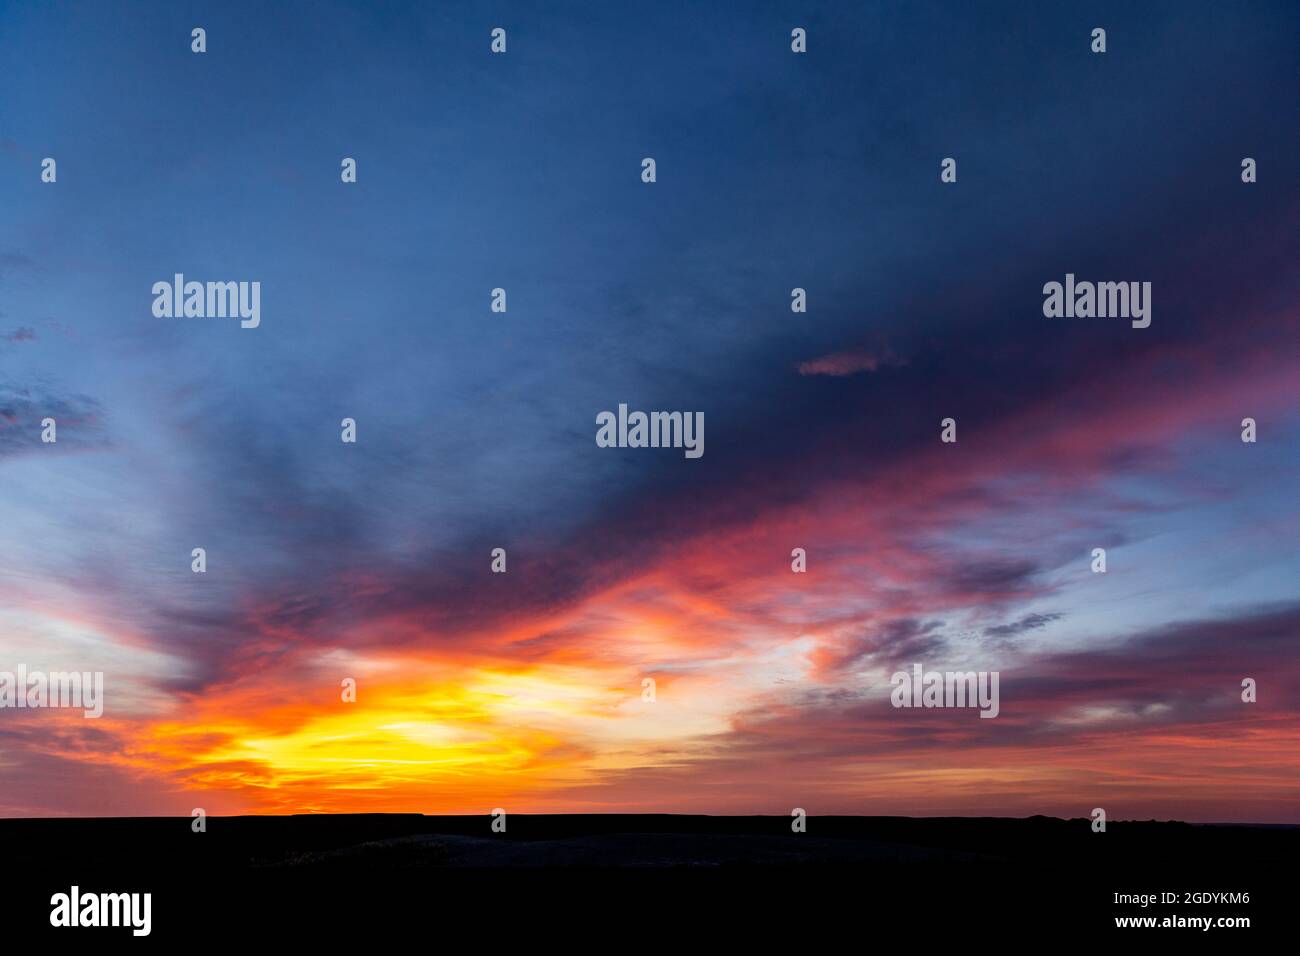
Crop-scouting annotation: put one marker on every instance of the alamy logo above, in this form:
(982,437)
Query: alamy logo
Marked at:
(653,430)
(209,300)
(946,689)
(1103,300)
(58,689)
(103,909)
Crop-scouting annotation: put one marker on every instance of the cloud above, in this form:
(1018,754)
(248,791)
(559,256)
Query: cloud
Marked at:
(19,335)
(839,364)
(1072,725)
(80,420)
(1030,622)
(11,262)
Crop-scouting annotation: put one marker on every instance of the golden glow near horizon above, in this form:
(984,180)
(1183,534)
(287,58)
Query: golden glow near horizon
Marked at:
(418,744)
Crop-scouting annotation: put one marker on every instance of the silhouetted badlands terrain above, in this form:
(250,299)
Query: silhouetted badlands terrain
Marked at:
(619,840)
(1007,873)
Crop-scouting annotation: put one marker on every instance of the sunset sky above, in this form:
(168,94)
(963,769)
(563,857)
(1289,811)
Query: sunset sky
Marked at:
(476,430)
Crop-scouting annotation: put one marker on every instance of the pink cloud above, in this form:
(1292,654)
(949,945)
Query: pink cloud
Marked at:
(850,362)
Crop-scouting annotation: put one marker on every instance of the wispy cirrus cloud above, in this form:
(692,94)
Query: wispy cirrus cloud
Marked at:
(839,364)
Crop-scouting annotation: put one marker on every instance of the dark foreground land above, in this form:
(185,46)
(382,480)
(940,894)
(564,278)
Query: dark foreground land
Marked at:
(623,879)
